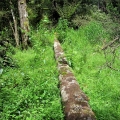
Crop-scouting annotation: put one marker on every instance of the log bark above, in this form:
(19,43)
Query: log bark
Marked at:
(74,100)
(24,22)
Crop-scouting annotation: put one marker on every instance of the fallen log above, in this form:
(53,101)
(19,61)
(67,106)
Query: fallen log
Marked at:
(75,102)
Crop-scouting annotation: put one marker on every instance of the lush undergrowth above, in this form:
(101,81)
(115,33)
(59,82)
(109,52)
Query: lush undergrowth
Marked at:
(99,82)
(29,91)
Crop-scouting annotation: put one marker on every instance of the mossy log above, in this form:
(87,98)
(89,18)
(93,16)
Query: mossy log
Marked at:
(74,100)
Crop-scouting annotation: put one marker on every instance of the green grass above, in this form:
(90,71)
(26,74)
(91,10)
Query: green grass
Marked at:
(30,90)
(100,83)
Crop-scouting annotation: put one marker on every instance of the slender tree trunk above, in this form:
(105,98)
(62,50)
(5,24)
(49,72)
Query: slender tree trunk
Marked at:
(24,22)
(15,29)
(98,4)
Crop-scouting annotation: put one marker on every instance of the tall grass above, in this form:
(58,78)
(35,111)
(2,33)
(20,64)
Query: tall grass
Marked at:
(30,91)
(99,82)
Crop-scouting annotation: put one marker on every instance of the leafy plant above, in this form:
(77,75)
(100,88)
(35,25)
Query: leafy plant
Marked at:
(98,81)
(94,32)
(109,23)
(67,10)
(61,29)
(30,91)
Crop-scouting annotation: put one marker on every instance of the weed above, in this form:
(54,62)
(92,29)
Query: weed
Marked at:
(98,81)
(30,91)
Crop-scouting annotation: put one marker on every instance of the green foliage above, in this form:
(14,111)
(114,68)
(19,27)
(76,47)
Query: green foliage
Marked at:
(37,9)
(6,49)
(30,92)
(80,20)
(94,32)
(99,82)
(110,24)
(61,29)
(41,37)
(113,8)
(67,10)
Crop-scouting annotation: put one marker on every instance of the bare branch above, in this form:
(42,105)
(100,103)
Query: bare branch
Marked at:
(110,43)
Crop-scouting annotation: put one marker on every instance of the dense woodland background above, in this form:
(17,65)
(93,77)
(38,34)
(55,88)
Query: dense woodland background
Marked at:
(76,12)
(89,31)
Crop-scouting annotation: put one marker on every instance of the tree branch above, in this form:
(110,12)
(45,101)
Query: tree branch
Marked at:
(110,43)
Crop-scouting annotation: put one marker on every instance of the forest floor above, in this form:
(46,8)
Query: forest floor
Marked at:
(30,90)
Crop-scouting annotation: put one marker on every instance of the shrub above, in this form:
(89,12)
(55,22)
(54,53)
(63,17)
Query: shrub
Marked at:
(94,32)
(110,23)
(61,29)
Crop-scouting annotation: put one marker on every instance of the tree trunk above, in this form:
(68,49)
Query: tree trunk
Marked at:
(24,22)
(15,29)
